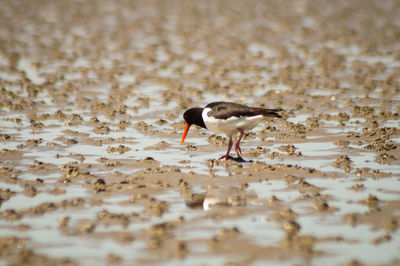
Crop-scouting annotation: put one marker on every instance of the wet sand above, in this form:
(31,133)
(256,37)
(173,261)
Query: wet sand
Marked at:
(91,102)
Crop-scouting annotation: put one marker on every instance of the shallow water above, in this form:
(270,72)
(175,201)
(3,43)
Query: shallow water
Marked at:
(91,103)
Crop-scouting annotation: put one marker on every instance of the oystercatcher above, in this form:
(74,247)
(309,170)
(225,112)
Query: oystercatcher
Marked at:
(228,118)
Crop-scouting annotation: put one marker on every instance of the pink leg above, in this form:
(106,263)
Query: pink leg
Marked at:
(237,145)
(230,143)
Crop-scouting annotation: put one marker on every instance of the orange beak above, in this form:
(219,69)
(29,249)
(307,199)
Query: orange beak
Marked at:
(187,126)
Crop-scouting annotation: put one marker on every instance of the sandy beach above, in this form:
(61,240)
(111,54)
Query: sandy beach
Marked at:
(92,171)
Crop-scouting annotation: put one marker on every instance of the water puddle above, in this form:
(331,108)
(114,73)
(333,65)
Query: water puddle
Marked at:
(92,168)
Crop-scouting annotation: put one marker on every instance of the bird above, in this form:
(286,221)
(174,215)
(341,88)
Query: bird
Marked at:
(229,118)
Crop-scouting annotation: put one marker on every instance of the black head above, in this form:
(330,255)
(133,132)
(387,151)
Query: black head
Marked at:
(194,116)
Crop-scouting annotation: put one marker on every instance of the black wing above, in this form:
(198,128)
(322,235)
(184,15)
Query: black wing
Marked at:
(224,110)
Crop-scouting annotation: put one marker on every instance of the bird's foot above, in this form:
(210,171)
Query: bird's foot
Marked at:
(238,159)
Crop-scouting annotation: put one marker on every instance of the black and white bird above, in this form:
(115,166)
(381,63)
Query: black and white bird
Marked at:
(229,118)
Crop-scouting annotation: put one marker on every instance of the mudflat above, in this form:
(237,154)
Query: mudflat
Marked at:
(91,101)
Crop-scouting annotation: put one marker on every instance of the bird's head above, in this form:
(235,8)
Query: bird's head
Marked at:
(192,116)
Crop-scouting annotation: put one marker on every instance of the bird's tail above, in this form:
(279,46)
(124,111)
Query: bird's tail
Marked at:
(270,112)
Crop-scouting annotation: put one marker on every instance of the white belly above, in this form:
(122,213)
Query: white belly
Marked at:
(231,125)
